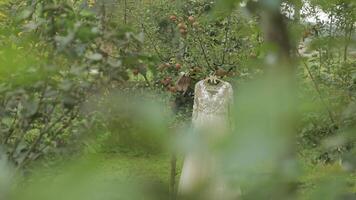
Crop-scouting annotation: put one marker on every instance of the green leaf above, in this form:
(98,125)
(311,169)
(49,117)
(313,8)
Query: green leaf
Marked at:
(30,107)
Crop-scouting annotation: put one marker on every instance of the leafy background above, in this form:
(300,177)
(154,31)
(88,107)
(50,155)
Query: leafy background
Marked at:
(93,104)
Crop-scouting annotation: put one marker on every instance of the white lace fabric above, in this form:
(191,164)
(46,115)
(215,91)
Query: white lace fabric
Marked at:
(210,119)
(212,105)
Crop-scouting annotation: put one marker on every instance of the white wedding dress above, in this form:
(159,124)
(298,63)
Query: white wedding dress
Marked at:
(210,121)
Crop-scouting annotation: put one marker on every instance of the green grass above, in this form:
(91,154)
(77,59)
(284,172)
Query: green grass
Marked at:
(97,176)
(113,168)
(125,167)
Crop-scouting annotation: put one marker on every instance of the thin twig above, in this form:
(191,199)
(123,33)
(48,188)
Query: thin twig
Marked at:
(11,129)
(204,53)
(152,42)
(316,86)
(225,42)
(64,126)
(39,138)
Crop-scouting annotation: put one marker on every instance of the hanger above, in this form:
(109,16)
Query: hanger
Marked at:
(212,78)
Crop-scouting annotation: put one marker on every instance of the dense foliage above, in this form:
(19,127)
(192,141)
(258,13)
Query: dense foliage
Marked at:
(117,76)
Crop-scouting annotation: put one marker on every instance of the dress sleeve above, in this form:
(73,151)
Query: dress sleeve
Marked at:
(230,95)
(196,102)
(230,98)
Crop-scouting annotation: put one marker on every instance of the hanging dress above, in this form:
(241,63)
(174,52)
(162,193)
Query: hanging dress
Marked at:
(210,120)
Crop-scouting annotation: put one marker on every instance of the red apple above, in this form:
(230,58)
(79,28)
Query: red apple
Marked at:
(191,19)
(172,89)
(173,18)
(182,26)
(183,31)
(178,66)
(135,71)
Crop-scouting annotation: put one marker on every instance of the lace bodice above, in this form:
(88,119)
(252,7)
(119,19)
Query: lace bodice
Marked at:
(211,102)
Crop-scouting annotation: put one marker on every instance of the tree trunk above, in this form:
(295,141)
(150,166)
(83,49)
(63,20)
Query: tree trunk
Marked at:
(173,176)
(125,11)
(348,35)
